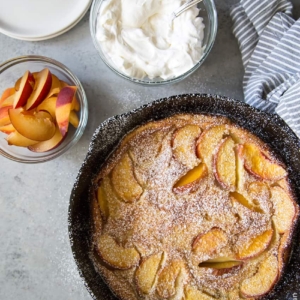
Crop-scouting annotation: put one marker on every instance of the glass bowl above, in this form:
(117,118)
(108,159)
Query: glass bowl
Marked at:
(207,12)
(13,69)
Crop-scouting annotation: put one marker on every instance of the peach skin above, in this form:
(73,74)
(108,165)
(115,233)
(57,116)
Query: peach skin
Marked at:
(41,89)
(55,87)
(63,107)
(23,89)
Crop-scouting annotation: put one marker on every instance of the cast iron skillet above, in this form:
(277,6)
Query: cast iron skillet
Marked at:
(270,128)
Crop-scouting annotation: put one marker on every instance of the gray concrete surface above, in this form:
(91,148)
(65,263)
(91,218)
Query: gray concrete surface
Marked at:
(35,256)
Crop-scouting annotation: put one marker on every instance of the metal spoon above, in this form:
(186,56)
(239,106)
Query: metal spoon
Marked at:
(184,7)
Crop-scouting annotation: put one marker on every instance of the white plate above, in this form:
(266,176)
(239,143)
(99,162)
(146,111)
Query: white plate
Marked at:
(35,20)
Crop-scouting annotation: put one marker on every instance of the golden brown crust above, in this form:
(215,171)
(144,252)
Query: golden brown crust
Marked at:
(141,214)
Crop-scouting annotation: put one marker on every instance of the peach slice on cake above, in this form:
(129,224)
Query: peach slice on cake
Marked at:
(221,267)
(184,145)
(258,190)
(263,281)
(257,163)
(102,201)
(115,255)
(171,278)
(192,293)
(285,209)
(240,170)
(124,182)
(16,139)
(189,181)
(235,196)
(146,272)
(23,90)
(256,246)
(208,142)
(49,144)
(48,105)
(63,107)
(6,94)
(41,89)
(7,129)
(4,116)
(37,126)
(224,163)
(209,242)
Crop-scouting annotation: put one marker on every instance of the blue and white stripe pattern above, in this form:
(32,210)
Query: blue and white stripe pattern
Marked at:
(269,40)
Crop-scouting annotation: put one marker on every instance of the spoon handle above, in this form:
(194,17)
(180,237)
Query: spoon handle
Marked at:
(184,7)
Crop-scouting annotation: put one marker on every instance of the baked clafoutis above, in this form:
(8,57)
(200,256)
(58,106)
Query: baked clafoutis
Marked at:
(191,207)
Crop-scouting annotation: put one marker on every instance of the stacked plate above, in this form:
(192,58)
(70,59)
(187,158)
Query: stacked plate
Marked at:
(36,20)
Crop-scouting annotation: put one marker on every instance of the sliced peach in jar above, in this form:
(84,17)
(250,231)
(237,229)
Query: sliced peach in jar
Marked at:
(208,142)
(225,164)
(146,272)
(75,104)
(23,90)
(184,145)
(257,163)
(256,246)
(41,89)
(4,116)
(63,107)
(263,281)
(115,255)
(6,94)
(16,139)
(74,120)
(37,126)
(50,144)
(55,87)
(7,129)
(189,181)
(209,242)
(124,182)
(48,105)
(284,207)
(9,101)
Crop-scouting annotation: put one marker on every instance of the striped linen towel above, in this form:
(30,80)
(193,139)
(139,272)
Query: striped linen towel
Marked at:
(269,40)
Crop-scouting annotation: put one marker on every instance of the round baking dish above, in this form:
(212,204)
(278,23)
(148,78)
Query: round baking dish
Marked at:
(270,128)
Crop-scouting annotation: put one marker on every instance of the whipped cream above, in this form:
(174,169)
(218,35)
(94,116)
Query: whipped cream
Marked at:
(142,40)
